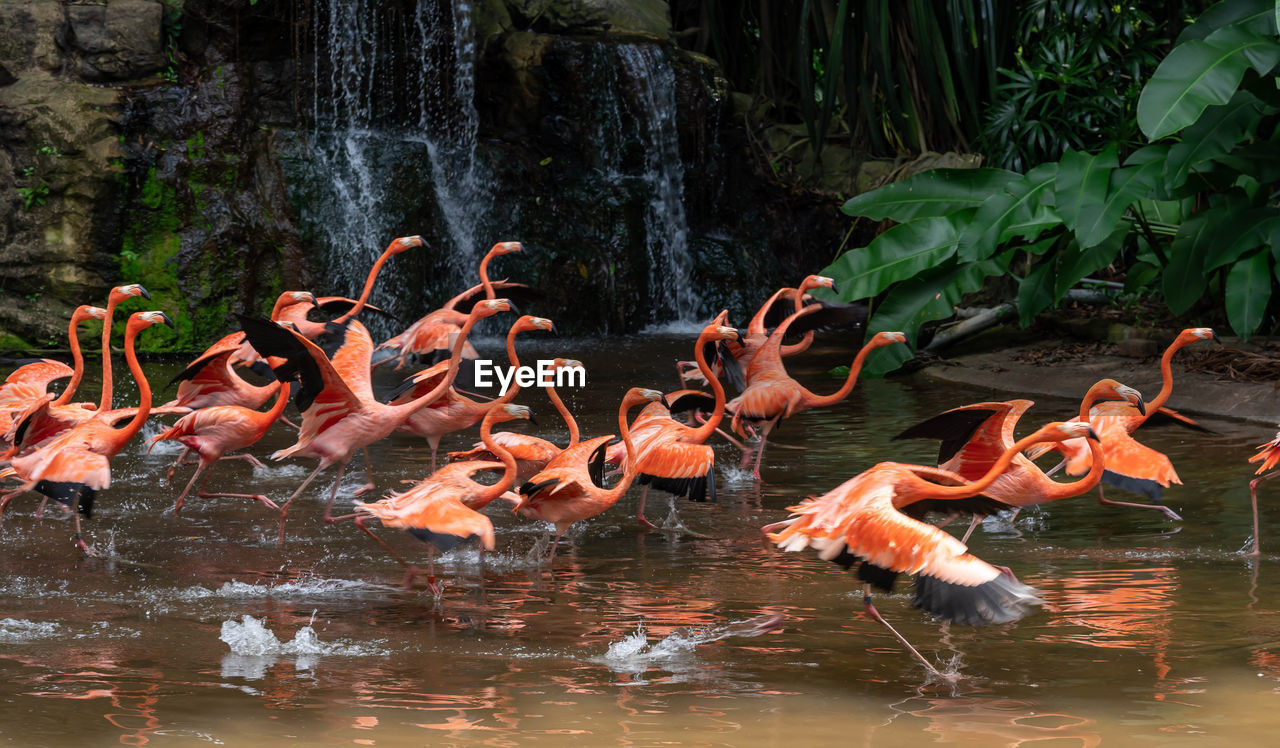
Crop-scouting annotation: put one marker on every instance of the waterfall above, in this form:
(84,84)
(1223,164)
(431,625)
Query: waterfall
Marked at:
(653,79)
(393,111)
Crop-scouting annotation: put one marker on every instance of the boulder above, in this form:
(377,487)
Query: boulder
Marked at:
(121,40)
(644,17)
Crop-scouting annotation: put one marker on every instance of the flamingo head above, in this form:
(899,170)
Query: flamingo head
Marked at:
(1111,389)
(405,243)
(490,307)
(1195,335)
(289,298)
(121,293)
(888,338)
(568,363)
(1060,431)
(143,320)
(512,412)
(85,312)
(536,323)
(506,248)
(817,281)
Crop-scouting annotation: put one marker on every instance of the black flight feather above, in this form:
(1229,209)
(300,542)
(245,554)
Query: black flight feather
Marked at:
(955,428)
(1000,600)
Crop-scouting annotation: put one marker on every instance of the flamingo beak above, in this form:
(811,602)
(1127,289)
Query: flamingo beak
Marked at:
(1140,404)
(664,402)
(833,287)
(514,309)
(1214,337)
(165,318)
(145,294)
(1093,435)
(314,301)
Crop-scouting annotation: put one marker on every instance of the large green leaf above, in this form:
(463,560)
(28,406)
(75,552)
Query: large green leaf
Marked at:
(1129,185)
(1248,292)
(1201,73)
(1238,230)
(931,295)
(1184,280)
(1080,189)
(1076,262)
(936,192)
(1035,292)
(1258,16)
(1215,134)
(902,252)
(1020,209)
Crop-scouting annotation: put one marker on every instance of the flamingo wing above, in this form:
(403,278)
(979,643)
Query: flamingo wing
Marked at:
(1165,415)
(433,511)
(980,505)
(1268,454)
(858,517)
(976,433)
(39,373)
(340,305)
(42,421)
(323,394)
(677,467)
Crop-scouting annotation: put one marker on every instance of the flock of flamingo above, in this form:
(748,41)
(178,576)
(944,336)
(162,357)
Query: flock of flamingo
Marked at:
(877,519)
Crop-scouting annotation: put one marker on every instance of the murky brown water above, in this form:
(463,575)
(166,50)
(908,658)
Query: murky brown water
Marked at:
(1155,629)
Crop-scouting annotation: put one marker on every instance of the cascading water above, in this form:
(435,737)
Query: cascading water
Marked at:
(666,231)
(393,110)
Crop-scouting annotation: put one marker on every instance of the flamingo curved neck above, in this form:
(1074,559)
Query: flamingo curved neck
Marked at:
(756,325)
(127,432)
(104,404)
(282,399)
(807,340)
(1166,378)
(966,490)
(514,388)
(368,287)
(633,462)
(77,358)
(563,410)
(455,355)
(819,401)
(489,293)
(502,453)
(703,432)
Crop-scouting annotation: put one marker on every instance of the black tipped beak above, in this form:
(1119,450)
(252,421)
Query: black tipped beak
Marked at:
(532,420)
(834,288)
(553,330)
(1141,405)
(314,302)
(664,402)
(1214,337)
(166,319)
(1094,435)
(515,309)
(742,334)
(145,294)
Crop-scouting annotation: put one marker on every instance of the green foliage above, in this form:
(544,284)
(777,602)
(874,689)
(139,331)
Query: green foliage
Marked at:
(1074,80)
(1197,215)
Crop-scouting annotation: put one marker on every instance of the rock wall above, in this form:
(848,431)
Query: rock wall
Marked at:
(158,143)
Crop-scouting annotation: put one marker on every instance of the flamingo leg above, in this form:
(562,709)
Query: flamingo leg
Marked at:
(1253,495)
(168,476)
(284,509)
(410,570)
(79,539)
(434,441)
(1056,468)
(333,494)
(177,506)
(290,424)
(554,545)
(977,520)
(254,461)
(368,475)
(255,496)
(644,491)
(875,614)
(1168,512)
(764,437)
(40,509)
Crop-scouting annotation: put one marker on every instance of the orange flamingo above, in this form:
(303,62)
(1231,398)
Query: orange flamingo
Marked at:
(674,457)
(29,383)
(1268,454)
(773,395)
(74,466)
(531,453)
(456,411)
(433,333)
(974,436)
(444,508)
(861,519)
(1131,465)
(337,419)
(212,432)
(568,490)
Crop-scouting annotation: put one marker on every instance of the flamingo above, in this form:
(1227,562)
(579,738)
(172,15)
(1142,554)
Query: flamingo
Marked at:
(674,457)
(456,411)
(433,333)
(567,489)
(211,380)
(213,431)
(531,453)
(336,418)
(75,465)
(861,519)
(974,436)
(773,395)
(30,382)
(444,508)
(1268,454)
(1131,465)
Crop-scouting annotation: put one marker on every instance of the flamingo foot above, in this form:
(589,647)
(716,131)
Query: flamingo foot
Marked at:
(1166,510)
(255,462)
(85,547)
(268,503)
(644,522)
(366,488)
(436,589)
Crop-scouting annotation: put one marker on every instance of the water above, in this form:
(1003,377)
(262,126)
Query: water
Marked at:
(202,630)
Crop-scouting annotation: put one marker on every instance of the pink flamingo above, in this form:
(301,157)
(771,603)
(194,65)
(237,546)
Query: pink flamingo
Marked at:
(336,419)
(773,395)
(567,489)
(531,453)
(1268,454)
(433,333)
(455,411)
(443,509)
(77,464)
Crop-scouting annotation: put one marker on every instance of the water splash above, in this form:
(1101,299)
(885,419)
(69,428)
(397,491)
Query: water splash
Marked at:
(15,631)
(634,654)
(254,648)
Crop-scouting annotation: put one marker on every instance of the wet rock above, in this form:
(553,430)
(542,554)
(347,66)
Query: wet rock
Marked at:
(649,17)
(1137,348)
(120,40)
